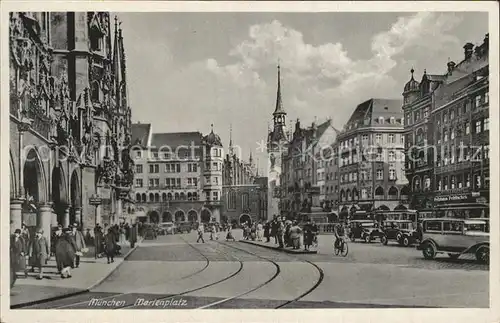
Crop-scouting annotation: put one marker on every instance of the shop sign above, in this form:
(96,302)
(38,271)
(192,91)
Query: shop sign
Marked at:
(459,197)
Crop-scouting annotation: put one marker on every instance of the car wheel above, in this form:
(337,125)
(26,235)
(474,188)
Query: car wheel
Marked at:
(483,254)
(406,241)
(368,238)
(384,240)
(453,255)
(398,238)
(429,251)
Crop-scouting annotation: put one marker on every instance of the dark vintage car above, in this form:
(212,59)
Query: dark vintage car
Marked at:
(402,231)
(366,230)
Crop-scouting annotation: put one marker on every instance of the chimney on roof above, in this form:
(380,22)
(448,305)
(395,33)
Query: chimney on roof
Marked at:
(486,42)
(451,66)
(468,50)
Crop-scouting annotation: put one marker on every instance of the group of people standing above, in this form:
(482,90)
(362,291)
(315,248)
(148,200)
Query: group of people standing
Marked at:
(287,233)
(67,245)
(109,241)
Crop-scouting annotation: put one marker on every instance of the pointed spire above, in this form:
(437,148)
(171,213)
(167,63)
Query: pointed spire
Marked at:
(231,150)
(212,127)
(412,71)
(279,103)
(250,159)
(116,64)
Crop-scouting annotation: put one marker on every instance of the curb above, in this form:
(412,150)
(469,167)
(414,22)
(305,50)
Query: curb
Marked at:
(281,249)
(83,291)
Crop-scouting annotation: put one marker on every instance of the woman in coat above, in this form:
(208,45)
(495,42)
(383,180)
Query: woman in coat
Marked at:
(110,245)
(65,252)
(295,232)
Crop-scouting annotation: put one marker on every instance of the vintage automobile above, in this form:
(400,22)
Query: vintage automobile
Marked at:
(366,230)
(167,228)
(455,237)
(402,231)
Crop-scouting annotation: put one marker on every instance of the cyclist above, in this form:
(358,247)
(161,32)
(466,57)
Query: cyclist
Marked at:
(339,232)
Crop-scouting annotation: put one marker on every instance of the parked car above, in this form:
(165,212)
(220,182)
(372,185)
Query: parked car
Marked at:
(183,227)
(366,230)
(167,228)
(455,237)
(402,231)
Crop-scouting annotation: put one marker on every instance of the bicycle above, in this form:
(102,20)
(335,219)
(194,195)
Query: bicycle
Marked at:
(342,249)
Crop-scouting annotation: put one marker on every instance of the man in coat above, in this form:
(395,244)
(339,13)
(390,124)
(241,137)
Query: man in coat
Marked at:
(39,252)
(295,232)
(110,245)
(133,235)
(79,241)
(17,252)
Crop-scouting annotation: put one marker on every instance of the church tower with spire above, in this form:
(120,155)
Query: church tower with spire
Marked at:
(277,141)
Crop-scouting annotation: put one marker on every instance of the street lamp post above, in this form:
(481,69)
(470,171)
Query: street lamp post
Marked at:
(95,200)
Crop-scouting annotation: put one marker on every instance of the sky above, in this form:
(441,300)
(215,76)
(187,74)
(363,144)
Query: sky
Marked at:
(187,71)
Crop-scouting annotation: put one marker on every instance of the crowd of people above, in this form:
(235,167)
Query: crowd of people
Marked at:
(286,233)
(67,245)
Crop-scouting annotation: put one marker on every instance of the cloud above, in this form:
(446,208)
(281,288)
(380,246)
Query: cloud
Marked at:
(317,80)
(323,79)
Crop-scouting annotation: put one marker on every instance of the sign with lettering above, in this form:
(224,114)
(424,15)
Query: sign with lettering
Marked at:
(95,200)
(469,197)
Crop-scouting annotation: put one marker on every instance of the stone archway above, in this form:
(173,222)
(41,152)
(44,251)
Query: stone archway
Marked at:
(33,177)
(166,217)
(206,215)
(179,216)
(76,198)
(35,212)
(154,217)
(60,196)
(245,219)
(192,216)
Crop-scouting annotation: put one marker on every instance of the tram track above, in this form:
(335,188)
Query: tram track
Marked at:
(162,298)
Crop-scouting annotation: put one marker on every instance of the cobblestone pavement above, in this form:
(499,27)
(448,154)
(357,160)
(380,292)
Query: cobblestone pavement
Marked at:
(176,272)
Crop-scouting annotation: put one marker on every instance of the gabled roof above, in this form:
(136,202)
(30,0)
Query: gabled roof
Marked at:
(373,109)
(140,133)
(176,139)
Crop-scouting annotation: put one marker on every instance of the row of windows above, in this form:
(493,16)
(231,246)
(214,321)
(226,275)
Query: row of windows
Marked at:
(479,126)
(155,197)
(169,168)
(379,138)
(366,175)
(390,156)
(392,193)
(215,181)
(231,201)
(379,120)
(451,113)
(169,182)
(444,183)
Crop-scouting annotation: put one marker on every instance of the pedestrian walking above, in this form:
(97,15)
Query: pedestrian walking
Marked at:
(133,235)
(267,231)
(110,245)
(200,233)
(39,253)
(18,253)
(295,233)
(213,232)
(308,235)
(274,230)
(122,238)
(65,252)
(79,242)
(287,240)
(279,233)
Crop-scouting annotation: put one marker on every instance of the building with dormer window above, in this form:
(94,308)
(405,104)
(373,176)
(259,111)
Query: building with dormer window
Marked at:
(370,152)
(447,137)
